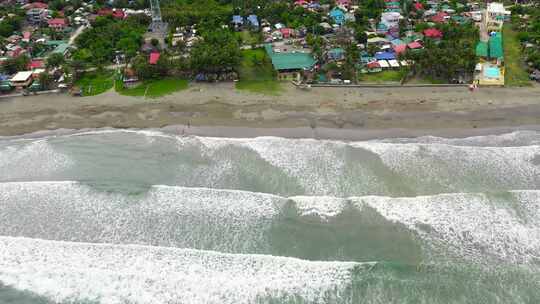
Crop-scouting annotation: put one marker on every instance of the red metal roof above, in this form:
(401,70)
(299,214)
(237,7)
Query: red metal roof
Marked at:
(373,65)
(104,12)
(37,5)
(440,17)
(433,33)
(400,48)
(418,6)
(119,14)
(414,45)
(27,35)
(154,57)
(36,64)
(57,22)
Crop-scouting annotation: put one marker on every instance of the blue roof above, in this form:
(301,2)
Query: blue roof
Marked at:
(385,56)
(336,53)
(237,19)
(253,20)
(338,15)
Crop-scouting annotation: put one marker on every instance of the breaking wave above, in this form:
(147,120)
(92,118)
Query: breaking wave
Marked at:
(503,225)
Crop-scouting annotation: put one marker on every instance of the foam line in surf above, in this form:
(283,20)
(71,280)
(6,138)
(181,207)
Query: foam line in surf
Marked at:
(504,226)
(64,271)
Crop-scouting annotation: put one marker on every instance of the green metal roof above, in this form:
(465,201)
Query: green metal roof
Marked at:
(482,49)
(290,61)
(61,48)
(496,46)
(54,42)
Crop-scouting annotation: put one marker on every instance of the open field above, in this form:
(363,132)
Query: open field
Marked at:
(257,74)
(384,76)
(516,75)
(95,83)
(154,88)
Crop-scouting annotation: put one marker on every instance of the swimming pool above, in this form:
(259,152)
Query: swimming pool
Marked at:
(492,72)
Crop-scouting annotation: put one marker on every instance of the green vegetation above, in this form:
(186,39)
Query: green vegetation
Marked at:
(95,83)
(448,58)
(247,37)
(384,76)
(16,64)
(257,74)
(98,44)
(9,25)
(515,74)
(217,52)
(153,88)
(207,13)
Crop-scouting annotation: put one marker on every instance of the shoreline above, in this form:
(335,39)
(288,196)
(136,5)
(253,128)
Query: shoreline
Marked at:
(219,110)
(334,134)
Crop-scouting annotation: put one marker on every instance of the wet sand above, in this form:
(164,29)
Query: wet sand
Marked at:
(341,113)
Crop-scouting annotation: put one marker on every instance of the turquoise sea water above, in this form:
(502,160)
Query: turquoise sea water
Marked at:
(149,217)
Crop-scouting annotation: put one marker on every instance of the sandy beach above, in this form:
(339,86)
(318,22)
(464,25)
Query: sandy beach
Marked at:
(347,113)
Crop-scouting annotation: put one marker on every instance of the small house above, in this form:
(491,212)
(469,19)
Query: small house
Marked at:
(57,24)
(440,17)
(433,33)
(253,21)
(22,79)
(337,15)
(336,54)
(237,21)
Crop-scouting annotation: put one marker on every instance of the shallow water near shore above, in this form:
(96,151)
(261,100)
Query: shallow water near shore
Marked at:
(140,216)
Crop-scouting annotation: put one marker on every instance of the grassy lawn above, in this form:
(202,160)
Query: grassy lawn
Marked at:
(384,76)
(248,37)
(257,74)
(154,88)
(94,83)
(516,75)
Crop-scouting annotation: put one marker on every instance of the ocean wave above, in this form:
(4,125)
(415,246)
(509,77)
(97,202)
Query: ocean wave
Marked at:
(480,227)
(65,271)
(285,167)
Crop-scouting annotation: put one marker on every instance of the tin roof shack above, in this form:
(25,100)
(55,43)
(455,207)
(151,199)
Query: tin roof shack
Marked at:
(22,79)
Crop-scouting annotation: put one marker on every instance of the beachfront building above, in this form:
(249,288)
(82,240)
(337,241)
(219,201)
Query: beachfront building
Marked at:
(490,69)
(22,79)
(290,65)
(495,15)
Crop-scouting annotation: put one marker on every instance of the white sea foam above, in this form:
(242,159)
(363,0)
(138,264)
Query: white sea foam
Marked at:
(476,226)
(64,271)
(31,160)
(224,220)
(461,167)
(473,225)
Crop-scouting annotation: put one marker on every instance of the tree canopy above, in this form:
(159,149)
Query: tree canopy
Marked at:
(107,35)
(216,52)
